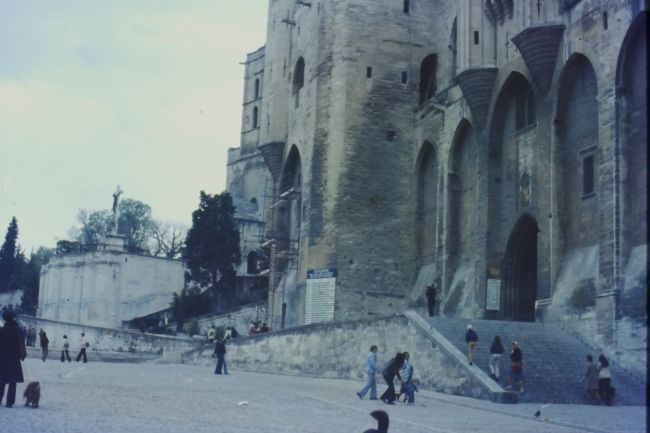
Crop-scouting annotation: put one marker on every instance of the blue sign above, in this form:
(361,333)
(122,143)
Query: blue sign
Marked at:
(313,274)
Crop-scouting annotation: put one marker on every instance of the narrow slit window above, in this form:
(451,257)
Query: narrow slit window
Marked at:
(405,77)
(475,37)
(255,113)
(588,175)
(257,88)
(605,23)
(407,6)
(369,72)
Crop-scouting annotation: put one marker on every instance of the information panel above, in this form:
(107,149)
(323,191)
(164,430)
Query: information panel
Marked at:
(493,295)
(321,288)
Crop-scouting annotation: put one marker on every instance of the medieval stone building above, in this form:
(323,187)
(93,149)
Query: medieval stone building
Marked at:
(498,147)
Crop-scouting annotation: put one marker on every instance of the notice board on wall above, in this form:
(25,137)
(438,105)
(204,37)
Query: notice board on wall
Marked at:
(321,289)
(493,295)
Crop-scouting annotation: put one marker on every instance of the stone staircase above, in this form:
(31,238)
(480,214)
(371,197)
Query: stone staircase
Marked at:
(553,360)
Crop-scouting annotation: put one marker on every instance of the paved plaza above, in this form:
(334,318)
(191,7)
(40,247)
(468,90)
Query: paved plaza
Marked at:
(112,397)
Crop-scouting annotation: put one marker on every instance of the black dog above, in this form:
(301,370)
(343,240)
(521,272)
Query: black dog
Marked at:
(382,422)
(32,394)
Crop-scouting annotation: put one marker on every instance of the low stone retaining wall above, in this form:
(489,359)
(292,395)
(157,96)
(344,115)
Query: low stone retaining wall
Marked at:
(107,339)
(100,356)
(340,350)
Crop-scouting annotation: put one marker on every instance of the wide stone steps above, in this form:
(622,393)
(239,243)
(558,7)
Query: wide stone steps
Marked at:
(553,360)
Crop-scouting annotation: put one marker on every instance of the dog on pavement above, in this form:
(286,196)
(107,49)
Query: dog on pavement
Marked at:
(32,394)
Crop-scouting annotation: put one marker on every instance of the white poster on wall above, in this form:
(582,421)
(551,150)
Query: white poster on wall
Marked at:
(321,288)
(493,295)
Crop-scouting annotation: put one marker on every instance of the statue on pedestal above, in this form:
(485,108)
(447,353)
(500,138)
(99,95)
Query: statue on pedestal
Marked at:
(116,200)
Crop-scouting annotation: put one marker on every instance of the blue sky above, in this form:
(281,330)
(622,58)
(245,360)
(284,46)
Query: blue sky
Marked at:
(145,94)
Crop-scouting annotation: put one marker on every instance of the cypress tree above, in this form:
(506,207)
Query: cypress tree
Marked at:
(8,257)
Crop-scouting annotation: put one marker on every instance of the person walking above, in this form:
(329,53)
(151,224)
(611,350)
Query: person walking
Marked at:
(45,343)
(496,349)
(12,352)
(220,352)
(371,369)
(591,381)
(65,350)
(604,381)
(470,338)
(516,368)
(432,290)
(390,371)
(83,344)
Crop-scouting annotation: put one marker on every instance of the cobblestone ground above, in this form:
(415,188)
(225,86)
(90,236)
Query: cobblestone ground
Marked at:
(103,397)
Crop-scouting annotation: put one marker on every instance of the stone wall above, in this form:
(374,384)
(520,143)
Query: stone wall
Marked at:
(109,340)
(486,178)
(340,350)
(105,288)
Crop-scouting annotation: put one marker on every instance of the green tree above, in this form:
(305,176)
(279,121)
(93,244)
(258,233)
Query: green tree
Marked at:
(9,263)
(135,223)
(30,279)
(191,302)
(212,243)
(94,226)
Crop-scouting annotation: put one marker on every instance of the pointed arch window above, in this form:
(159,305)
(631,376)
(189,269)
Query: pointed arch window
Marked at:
(298,80)
(428,77)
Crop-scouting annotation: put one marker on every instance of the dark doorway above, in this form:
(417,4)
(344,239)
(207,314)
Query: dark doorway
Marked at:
(520,272)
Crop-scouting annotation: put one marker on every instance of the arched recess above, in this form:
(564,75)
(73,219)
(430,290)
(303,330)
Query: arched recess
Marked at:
(519,279)
(632,91)
(251,263)
(511,153)
(577,155)
(298,80)
(290,206)
(428,77)
(632,168)
(463,194)
(426,175)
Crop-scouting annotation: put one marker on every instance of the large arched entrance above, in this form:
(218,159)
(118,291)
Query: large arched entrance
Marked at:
(426,204)
(520,272)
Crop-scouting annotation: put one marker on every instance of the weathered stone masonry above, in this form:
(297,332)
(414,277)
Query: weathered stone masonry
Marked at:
(459,141)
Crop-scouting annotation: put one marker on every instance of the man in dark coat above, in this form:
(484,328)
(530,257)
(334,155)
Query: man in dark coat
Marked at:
(12,351)
(431,297)
(220,352)
(390,371)
(45,343)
